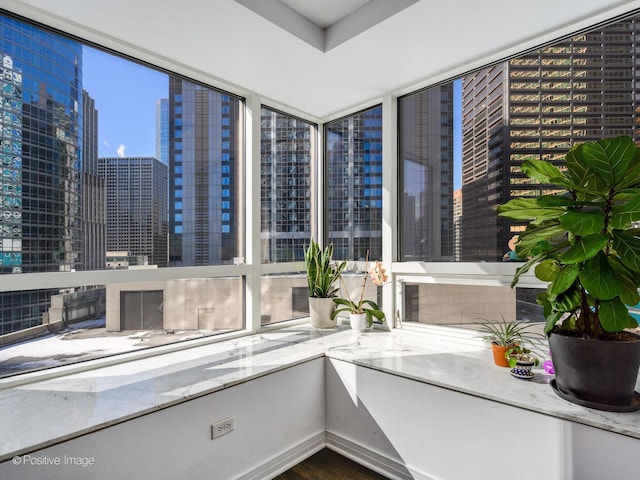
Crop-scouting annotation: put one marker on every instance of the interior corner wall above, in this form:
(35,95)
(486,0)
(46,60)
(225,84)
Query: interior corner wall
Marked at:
(276,417)
(411,430)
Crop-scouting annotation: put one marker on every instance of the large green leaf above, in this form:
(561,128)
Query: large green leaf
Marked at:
(584,248)
(564,279)
(629,293)
(627,246)
(547,270)
(583,222)
(614,316)
(567,301)
(609,157)
(624,214)
(582,174)
(536,239)
(526,209)
(542,171)
(632,177)
(599,279)
(559,201)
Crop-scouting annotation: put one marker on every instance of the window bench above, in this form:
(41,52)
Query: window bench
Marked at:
(408,404)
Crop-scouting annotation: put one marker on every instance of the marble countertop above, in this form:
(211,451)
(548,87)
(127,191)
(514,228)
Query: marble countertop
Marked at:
(39,414)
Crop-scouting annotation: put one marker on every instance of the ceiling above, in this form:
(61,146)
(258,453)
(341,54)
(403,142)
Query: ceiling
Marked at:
(360,50)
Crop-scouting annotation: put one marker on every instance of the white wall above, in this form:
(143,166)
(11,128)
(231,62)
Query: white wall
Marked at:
(276,418)
(399,427)
(423,432)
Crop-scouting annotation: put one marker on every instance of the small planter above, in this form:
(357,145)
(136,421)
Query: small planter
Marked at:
(320,310)
(358,321)
(522,369)
(499,354)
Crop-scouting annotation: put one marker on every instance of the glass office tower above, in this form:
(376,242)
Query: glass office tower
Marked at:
(41,103)
(354,164)
(285,162)
(203,210)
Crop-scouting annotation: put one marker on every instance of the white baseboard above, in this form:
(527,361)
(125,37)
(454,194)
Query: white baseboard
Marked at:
(374,461)
(286,460)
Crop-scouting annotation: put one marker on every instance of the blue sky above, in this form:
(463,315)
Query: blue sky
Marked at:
(125,94)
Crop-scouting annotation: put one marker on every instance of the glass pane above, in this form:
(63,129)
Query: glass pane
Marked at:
(284,297)
(108,164)
(119,318)
(459,305)
(286,201)
(426,163)
(204,217)
(483,125)
(354,172)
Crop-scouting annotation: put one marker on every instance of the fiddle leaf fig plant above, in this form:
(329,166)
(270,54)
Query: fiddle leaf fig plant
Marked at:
(583,239)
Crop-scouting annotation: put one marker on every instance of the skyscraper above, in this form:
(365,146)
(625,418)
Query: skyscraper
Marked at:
(354,199)
(93,191)
(162,130)
(426,160)
(136,206)
(285,151)
(203,171)
(41,158)
(536,107)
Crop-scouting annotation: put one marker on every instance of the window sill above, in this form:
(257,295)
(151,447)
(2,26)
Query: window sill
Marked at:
(53,410)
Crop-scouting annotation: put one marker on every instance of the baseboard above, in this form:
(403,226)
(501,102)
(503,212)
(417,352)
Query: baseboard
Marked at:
(286,460)
(374,461)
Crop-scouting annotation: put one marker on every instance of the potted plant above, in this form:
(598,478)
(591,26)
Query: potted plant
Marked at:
(584,242)
(322,273)
(521,360)
(505,337)
(362,312)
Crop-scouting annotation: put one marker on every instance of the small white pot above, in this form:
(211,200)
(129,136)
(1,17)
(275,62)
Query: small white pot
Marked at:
(358,321)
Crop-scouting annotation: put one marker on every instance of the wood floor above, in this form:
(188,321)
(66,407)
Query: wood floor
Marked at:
(328,465)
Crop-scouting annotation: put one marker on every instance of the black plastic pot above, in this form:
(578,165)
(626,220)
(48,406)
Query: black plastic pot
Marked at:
(595,373)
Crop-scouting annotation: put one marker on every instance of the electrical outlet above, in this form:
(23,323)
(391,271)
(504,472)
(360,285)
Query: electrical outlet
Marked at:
(222,427)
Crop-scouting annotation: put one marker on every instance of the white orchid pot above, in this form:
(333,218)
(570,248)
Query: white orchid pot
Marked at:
(358,321)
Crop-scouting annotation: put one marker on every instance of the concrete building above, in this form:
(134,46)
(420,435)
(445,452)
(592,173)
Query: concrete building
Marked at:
(136,206)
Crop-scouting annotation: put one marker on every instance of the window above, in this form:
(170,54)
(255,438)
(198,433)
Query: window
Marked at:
(286,155)
(482,136)
(141,188)
(354,159)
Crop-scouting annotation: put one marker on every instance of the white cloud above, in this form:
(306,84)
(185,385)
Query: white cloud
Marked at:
(121,150)
(106,144)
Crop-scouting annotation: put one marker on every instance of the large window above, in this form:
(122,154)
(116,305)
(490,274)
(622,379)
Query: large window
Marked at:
(111,165)
(287,153)
(287,158)
(461,144)
(354,186)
